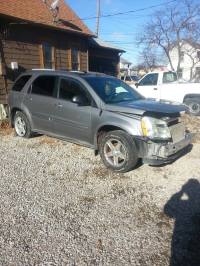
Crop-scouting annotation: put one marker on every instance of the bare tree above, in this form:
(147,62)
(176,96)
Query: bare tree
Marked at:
(148,59)
(170,26)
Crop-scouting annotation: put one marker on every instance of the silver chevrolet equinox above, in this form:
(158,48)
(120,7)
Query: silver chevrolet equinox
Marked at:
(100,112)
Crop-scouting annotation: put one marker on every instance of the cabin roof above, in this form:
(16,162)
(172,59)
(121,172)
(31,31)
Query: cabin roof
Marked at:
(98,43)
(38,12)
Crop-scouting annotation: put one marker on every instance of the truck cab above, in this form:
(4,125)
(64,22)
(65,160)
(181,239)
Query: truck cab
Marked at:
(164,85)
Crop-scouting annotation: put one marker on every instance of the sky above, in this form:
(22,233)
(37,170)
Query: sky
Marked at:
(122,30)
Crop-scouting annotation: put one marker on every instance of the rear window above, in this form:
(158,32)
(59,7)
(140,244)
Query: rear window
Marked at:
(169,77)
(44,85)
(21,82)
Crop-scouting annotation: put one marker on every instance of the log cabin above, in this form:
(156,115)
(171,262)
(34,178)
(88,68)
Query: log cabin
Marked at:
(33,36)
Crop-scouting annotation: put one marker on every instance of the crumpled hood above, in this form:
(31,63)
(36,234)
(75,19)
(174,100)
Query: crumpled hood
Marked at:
(140,107)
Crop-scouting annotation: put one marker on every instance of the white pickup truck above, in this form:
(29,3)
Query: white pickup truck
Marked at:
(164,85)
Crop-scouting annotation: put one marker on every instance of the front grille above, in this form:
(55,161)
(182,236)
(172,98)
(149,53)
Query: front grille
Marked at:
(171,120)
(176,128)
(177,132)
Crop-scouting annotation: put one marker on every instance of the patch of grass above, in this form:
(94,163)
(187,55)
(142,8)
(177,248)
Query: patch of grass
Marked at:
(192,124)
(98,172)
(5,128)
(48,140)
(196,138)
(87,199)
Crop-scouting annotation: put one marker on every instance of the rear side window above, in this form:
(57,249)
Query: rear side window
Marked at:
(44,85)
(21,82)
(169,77)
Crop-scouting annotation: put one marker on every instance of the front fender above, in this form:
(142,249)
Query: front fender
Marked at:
(133,128)
(28,115)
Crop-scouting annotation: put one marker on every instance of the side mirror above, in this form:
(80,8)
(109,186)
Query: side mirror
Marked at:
(80,100)
(136,84)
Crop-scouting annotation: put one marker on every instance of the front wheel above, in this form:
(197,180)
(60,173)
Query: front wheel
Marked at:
(118,151)
(193,105)
(22,125)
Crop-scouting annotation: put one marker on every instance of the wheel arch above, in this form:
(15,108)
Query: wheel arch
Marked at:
(191,95)
(104,129)
(14,110)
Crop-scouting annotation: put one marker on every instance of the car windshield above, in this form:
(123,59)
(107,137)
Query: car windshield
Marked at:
(112,90)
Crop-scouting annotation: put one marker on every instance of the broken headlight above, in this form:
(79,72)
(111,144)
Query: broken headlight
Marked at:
(155,128)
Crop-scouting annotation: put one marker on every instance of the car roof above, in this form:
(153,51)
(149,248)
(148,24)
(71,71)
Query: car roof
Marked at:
(65,72)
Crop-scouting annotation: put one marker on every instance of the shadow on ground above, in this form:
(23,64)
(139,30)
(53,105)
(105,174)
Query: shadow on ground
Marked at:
(184,208)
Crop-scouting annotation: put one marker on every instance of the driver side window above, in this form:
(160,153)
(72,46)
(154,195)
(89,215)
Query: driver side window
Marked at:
(69,89)
(149,80)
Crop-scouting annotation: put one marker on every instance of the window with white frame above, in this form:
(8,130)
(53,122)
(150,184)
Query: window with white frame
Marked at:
(197,70)
(48,56)
(180,73)
(182,56)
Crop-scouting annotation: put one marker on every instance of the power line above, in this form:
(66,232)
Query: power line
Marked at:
(121,42)
(126,12)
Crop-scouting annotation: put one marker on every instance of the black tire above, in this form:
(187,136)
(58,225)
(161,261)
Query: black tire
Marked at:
(27,133)
(193,105)
(129,150)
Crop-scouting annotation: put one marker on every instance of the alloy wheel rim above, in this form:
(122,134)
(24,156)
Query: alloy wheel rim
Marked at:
(115,152)
(20,126)
(194,108)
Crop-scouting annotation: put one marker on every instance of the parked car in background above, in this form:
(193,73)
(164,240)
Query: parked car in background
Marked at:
(100,112)
(165,85)
(130,79)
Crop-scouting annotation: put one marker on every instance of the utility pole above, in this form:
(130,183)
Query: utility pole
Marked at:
(98,16)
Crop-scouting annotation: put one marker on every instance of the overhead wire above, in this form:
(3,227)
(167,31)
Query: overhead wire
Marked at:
(125,12)
(129,45)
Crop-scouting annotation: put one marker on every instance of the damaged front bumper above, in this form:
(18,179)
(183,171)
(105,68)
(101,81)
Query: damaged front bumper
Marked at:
(156,153)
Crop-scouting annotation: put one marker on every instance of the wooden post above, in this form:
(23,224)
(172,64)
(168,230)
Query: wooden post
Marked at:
(3,113)
(3,63)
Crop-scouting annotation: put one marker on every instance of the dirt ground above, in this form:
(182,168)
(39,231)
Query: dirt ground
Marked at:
(60,206)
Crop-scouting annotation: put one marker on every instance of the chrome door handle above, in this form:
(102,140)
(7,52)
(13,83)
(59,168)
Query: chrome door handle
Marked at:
(59,105)
(155,89)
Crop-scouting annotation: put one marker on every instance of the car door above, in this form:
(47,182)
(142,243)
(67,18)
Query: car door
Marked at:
(148,86)
(72,119)
(40,101)
(170,89)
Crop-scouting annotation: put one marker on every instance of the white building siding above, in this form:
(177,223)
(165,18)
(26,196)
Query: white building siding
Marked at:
(189,63)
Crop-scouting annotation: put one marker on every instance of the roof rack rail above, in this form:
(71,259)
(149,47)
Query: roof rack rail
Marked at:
(78,71)
(44,69)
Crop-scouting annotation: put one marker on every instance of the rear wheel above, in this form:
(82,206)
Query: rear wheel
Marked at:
(118,151)
(194,106)
(22,125)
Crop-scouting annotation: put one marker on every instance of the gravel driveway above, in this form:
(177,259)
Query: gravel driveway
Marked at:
(60,206)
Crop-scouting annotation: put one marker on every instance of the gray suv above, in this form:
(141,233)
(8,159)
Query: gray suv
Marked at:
(100,112)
